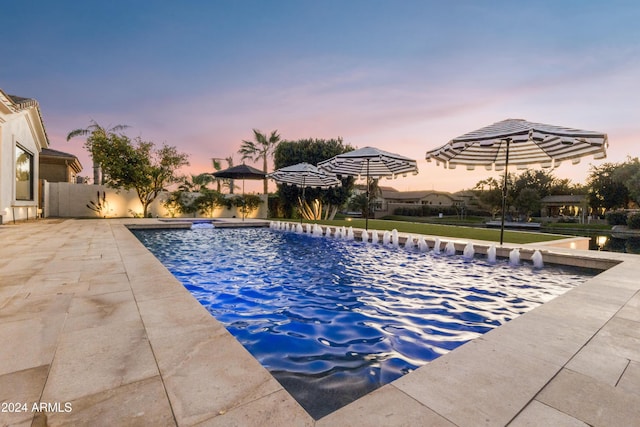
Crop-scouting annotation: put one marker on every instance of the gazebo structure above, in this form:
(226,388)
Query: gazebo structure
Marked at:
(572,205)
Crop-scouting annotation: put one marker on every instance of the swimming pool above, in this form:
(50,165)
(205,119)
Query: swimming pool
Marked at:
(333,319)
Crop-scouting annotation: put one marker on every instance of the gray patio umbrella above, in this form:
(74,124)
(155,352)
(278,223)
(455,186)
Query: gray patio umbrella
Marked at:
(371,163)
(240,172)
(304,175)
(520,143)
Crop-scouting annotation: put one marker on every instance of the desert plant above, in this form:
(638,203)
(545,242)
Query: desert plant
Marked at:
(100,206)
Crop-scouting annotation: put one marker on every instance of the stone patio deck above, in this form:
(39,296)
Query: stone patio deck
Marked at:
(94,327)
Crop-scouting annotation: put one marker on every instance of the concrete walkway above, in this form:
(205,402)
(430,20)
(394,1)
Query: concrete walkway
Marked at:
(97,331)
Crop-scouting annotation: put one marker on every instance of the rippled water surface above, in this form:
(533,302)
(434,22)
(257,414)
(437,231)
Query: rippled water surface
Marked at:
(335,319)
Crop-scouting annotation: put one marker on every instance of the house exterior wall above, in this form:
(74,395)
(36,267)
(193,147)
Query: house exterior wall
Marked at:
(18,128)
(436,199)
(69,200)
(56,172)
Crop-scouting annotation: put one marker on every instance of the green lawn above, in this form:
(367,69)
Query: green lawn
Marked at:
(457,232)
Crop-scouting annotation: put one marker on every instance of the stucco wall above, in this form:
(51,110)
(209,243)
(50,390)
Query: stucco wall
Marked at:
(69,200)
(15,128)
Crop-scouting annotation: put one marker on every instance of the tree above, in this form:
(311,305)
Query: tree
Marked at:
(223,182)
(97,134)
(528,202)
(262,147)
(138,165)
(606,193)
(312,151)
(628,174)
(358,203)
(539,180)
(489,193)
(363,204)
(197,183)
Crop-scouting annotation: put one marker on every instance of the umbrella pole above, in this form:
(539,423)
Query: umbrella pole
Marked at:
(504,191)
(366,210)
(301,207)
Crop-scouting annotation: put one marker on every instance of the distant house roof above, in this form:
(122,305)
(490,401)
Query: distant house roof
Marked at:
(405,195)
(565,198)
(57,153)
(363,187)
(71,159)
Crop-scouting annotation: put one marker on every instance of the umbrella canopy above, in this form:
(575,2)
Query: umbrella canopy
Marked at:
(528,144)
(240,172)
(520,143)
(369,162)
(304,175)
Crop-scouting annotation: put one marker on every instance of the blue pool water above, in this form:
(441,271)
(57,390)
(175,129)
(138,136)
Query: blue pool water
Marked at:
(333,319)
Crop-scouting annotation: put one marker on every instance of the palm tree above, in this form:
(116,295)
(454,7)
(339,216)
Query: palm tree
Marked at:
(94,130)
(223,182)
(262,147)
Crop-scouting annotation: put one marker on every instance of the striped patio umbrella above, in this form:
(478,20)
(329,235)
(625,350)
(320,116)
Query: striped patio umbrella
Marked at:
(369,162)
(304,175)
(519,143)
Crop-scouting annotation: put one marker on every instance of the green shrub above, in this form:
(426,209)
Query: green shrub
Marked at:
(616,218)
(568,220)
(634,221)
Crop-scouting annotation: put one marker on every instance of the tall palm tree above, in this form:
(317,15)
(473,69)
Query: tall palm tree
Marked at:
(262,147)
(223,182)
(94,130)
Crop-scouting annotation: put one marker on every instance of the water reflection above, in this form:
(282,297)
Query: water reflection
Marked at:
(604,241)
(629,245)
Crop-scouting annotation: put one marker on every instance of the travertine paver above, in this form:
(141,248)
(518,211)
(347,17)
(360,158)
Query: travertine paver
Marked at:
(600,363)
(21,387)
(96,359)
(140,403)
(630,380)
(591,401)
(480,383)
(631,310)
(386,406)
(89,317)
(260,413)
(538,414)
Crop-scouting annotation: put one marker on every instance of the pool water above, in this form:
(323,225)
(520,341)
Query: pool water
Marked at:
(333,319)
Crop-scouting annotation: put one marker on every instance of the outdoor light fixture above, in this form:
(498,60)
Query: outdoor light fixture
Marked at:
(601,241)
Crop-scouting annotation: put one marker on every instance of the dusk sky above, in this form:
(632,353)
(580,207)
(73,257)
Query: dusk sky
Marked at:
(403,76)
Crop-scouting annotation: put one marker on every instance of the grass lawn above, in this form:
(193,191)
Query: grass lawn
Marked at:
(453,231)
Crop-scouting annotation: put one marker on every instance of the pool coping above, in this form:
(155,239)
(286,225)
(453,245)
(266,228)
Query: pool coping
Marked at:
(102,325)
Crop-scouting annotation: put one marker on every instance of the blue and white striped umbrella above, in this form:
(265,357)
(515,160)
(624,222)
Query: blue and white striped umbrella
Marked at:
(304,175)
(522,144)
(529,144)
(369,162)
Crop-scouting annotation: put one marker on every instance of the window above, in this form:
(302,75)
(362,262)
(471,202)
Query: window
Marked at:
(24,174)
